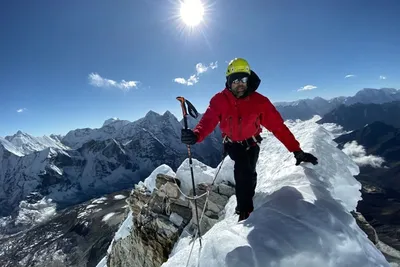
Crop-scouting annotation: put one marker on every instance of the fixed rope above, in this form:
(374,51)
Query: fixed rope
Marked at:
(202,213)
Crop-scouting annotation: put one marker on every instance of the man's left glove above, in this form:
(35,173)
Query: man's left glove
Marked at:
(306,157)
(188,137)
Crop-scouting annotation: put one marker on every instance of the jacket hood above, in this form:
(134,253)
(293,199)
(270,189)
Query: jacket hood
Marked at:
(253,84)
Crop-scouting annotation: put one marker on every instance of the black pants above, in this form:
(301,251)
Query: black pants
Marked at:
(245,173)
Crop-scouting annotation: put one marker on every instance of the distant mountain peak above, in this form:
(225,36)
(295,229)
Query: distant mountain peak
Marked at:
(168,113)
(109,121)
(19,133)
(152,113)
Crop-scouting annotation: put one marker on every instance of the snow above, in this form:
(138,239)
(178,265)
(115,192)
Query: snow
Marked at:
(33,213)
(302,213)
(335,129)
(10,147)
(56,169)
(24,144)
(122,232)
(204,174)
(99,200)
(125,228)
(119,197)
(108,216)
(87,212)
(102,263)
(150,181)
(110,120)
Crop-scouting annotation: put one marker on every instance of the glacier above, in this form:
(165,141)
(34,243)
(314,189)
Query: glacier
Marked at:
(302,214)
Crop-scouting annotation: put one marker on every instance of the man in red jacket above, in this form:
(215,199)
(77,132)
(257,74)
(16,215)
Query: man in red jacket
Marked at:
(240,112)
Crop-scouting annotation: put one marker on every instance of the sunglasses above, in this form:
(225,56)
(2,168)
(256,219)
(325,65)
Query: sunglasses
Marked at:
(243,80)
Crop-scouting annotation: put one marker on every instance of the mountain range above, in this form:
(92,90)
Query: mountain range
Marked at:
(88,163)
(358,115)
(380,203)
(40,176)
(77,236)
(304,109)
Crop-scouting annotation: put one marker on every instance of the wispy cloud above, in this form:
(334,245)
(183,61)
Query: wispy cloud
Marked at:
(21,110)
(358,154)
(349,76)
(382,77)
(307,88)
(194,78)
(98,81)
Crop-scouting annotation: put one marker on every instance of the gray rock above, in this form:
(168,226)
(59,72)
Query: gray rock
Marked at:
(159,220)
(366,227)
(226,190)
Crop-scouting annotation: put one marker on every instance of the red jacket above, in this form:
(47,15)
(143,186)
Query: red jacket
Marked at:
(242,118)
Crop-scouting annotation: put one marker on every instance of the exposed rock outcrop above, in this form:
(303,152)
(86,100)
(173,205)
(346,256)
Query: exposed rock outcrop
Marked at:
(366,227)
(161,216)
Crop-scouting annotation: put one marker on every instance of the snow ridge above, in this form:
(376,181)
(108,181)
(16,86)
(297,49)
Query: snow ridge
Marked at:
(302,213)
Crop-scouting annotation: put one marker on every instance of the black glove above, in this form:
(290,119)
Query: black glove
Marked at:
(188,137)
(306,157)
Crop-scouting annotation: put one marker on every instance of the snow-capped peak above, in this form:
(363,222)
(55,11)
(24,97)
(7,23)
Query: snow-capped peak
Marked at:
(26,144)
(8,146)
(109,121)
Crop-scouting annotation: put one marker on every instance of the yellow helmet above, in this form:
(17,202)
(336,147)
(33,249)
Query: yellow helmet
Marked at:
(238,65)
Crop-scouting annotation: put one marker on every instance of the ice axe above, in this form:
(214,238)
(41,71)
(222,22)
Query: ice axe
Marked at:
(187,106)
(192,110)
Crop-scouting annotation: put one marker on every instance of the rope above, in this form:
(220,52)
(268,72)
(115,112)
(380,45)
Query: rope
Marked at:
(202,214)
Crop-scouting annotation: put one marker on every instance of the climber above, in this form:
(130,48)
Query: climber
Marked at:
(241,112)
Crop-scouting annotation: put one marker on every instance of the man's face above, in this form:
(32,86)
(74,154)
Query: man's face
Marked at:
(239,86)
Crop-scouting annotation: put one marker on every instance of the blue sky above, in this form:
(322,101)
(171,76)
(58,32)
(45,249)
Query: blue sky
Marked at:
(73,64)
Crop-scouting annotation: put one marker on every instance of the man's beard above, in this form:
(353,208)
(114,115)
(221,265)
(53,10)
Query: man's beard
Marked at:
(239,91)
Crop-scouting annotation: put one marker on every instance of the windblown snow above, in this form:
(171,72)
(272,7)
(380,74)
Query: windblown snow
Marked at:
(302,213)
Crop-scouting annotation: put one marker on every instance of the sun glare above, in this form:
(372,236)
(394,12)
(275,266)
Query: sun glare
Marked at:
(192,12)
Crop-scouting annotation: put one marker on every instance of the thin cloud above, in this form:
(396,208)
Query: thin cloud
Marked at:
(358,154)
(381,77)
(180,80)
(307,88)
(194,78)
(349,76)
(98,81)
(21,110)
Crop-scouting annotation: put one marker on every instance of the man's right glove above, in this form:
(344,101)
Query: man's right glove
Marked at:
(306,157)
(188,137)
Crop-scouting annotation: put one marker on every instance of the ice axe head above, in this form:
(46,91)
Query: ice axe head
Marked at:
(192,110)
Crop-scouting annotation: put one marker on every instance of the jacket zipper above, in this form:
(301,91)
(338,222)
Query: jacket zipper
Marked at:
(257,122)
(230,127)
(240,121)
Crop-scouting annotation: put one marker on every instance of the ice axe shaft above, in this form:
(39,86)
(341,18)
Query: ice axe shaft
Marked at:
(193,112)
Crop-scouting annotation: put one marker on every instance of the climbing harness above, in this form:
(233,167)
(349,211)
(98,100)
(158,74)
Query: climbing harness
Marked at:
(247,143)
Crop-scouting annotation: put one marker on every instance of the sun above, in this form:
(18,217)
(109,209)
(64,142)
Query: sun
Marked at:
(192,12)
